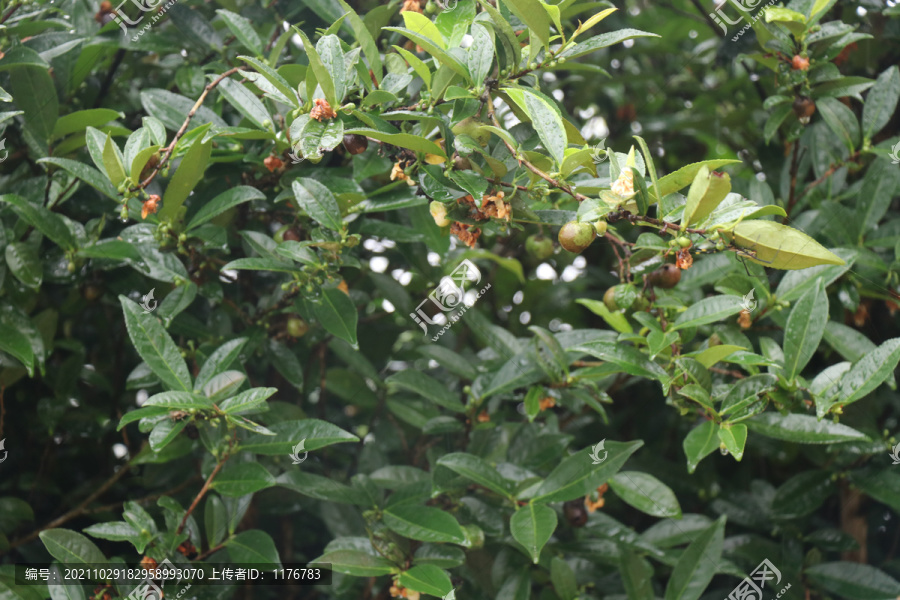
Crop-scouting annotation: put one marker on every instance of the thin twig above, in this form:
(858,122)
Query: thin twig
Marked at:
(75,512)
(200,494)
(523,161)
(171,147)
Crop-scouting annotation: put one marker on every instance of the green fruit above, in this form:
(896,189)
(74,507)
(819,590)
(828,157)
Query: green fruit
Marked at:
(539,247)
(600,227)
(684,242)
(297,327)
(609,299)
(575,237)
(471,126)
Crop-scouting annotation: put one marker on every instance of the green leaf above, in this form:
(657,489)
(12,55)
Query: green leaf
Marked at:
(840,120)
(869,372)
(17,345)
(533,15)
(114,531)
(423,523)
(222,202)
(734,437)
(433,49)
(337,314)
(318,434)
(82,119)
(318,487)
(171,109)
(629,359)
(605,40)
(254,547)
(85,173)
(426,579)
(357,563)
(403,140)
(802,429)
(683,177)
(179,400)
(781,247)
(428,387)
(708,310)
(155,346)
(546,121)
(802,494)
(21,56)
(246,103)
(46,221)
(318,202)
(699,443)
(189,173)
(240,479)
(646,493)
(637,575)
(246,402)
(480,55)
(616,320)
(854,581)
(243,30)
(880,185)
(25,264)
(71,548)
(419,23)
(219,360)
(112,161)
(576,475)
(362,35)
(804,330)
(697,564)
(34,92)
(532,525)
(477,469)
(317,137)
(323,76)
(707,191)
(563,578)
(881,102)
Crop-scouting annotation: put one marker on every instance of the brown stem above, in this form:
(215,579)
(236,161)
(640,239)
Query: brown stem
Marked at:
(10,12)
(171,147)
(200,494)
(528,165)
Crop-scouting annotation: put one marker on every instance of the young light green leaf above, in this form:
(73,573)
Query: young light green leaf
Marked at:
(781,247)
(546,121)
(532,525)
(734,437)
(189,173)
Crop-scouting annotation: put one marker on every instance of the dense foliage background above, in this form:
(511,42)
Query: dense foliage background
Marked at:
(291,180)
